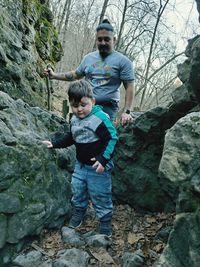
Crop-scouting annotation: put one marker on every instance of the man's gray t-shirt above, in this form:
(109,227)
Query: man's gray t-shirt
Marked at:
(106,75)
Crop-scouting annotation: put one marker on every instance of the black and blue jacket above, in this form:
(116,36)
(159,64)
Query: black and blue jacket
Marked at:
(94,137)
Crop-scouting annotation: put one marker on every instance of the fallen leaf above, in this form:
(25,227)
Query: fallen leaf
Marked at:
(102,256)
(134,238)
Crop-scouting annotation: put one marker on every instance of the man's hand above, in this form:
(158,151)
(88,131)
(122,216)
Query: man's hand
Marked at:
(47,143)
(49,73)
(97,165)
(126,119)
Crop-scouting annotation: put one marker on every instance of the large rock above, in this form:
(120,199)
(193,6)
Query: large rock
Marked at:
(194,78)
(34,181)
(180,164)
(183,245)
(136,179)
(28,43)
(198,7)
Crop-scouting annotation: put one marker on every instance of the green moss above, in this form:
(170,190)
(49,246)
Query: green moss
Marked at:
(46,38)
(46,13)
(31,9)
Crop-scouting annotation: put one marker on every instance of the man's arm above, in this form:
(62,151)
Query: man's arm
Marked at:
(129,99)
(68,76)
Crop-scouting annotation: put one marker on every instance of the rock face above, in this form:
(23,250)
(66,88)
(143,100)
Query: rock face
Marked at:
(34,181)
(136,178)
(137,160)
(198,7)
(28,43)
(180,164)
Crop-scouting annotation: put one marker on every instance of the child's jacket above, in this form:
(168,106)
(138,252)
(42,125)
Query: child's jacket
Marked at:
(94,137)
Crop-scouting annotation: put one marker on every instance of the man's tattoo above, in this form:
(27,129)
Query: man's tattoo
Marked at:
(69,76)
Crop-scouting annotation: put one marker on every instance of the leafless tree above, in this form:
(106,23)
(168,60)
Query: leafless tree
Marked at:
(160,12)
(143,32)
(102,15)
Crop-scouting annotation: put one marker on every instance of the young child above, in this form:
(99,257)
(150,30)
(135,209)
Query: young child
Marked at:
(95,138)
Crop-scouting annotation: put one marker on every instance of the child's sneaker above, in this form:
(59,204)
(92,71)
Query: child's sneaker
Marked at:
(105,228)
(77,218)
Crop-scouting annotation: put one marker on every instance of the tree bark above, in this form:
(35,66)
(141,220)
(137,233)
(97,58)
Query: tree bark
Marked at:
(103,11)
(122,24)
(160,12)
(60,25)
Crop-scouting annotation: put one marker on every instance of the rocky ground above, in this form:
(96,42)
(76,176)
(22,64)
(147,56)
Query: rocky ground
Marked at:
(132,231)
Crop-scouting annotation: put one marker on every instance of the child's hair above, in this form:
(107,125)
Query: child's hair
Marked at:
(79,89)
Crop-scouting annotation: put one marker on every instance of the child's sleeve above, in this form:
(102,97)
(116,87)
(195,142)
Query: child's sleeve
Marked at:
(63,142)
(108,135)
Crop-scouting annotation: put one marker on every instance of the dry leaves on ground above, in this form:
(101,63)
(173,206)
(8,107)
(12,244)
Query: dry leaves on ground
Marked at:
(131,231)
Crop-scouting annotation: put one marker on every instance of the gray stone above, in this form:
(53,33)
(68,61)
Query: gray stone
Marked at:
(48,263)
(163,234)
(180,164)
(34,190)
(72,258)
(182,247)
(177,164)
(70,236)
(31,259)
(9,203)
(3,230)
(24,50)
(99,241)
(135,259)
(140,147)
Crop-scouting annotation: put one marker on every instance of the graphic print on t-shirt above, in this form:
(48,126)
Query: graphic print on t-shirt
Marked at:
(99,73)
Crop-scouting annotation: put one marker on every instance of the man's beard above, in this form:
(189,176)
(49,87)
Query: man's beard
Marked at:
(104,50)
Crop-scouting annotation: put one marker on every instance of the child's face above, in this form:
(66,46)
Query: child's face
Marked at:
(83,108)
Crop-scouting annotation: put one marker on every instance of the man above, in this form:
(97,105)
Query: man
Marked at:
(105,69)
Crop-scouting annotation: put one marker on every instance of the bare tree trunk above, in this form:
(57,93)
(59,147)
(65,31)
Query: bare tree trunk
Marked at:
(66,22)
(103,11)
(60,25)
(160,12)
(122,24)
(85,33)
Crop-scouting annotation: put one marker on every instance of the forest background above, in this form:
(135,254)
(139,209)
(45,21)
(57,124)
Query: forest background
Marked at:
(153,34)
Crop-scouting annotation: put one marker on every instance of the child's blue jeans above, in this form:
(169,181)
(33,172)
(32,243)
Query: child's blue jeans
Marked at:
(88,184)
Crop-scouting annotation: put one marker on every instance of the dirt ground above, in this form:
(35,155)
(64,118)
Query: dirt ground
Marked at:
(131,231)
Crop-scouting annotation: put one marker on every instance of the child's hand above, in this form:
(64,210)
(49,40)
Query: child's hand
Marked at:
(97,165)
(47,143)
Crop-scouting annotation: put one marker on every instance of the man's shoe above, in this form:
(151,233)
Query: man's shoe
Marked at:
(105,228)
(77,218)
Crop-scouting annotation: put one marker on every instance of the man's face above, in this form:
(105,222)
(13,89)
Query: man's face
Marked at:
(105,42)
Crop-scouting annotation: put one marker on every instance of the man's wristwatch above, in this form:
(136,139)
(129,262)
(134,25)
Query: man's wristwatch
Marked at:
(127,111)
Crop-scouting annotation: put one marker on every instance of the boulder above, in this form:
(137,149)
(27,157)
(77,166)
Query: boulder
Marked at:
(29,42)
(34,180)
(180,164)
